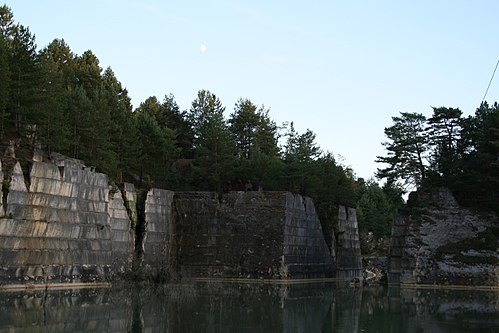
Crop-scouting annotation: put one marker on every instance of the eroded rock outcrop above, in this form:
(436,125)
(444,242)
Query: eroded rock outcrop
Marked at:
(438,242)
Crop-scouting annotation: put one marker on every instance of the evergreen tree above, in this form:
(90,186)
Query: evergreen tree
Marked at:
(445,130)
(65,60)
(91,116)
(214,145)
(253,130)
(407,152)
(158,148)
(25,80)
(478,184)
(300,153)
(51,127)
(123,135)
(266,138)
(176,120)
(330,185)
(244,124)
(375,209)
(5,86)
(168,115)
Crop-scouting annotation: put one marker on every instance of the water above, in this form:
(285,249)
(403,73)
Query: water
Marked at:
(237,307)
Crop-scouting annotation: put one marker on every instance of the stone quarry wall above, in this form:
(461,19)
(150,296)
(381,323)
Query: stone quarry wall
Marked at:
(154,248)
(61,224)
(305,250)
(122,237)
(439,242)
(271,235)
(348,256)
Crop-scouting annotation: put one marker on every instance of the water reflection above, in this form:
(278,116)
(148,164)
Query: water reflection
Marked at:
(231,307)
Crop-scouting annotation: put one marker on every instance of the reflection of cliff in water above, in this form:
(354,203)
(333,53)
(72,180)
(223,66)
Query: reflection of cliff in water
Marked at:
(222,307)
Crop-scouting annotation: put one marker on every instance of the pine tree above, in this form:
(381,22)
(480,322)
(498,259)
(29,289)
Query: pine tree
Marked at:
(213,142)
(408,151)
(5,86)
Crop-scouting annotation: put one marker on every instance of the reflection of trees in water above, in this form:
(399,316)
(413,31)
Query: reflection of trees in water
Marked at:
(227,307)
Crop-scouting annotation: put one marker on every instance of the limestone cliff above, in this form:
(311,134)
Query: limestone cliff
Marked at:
(439,242)
(62,222)
(273,235)
(349,259)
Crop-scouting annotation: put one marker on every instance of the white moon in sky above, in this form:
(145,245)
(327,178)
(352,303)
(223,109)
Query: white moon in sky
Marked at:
(203,48)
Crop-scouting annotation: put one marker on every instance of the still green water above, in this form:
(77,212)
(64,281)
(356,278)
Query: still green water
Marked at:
(241,307)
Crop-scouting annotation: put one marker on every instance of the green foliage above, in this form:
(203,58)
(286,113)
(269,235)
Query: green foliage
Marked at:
(486,240)
(377,207)
(67,103)
(477,183)
(51,126)
(157,150)
(445,130)
(449,150)
(407,152)
(168,115)
(253,130)
(214,148)
(5,86)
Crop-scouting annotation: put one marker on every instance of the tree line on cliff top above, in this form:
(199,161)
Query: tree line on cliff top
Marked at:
(68,104)
(446,149)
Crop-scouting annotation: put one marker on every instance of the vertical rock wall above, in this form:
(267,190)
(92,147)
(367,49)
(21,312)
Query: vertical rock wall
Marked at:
(249,235)
(57,226)
(62,222)
(305,249)
(202,233)
(348,256)
(397,243)
(122,238)
(439,242)
(156,238)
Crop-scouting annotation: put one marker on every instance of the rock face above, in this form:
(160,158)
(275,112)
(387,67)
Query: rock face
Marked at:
(439,242)
(349,259)
(154,246)
(61,222)
(62,225)
(272,235)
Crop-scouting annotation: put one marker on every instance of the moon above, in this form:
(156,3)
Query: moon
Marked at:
(203,48)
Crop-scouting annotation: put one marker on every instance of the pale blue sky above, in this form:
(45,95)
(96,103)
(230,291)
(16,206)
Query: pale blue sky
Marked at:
(340,68)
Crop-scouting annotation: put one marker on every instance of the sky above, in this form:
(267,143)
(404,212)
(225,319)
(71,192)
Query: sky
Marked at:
(342,69)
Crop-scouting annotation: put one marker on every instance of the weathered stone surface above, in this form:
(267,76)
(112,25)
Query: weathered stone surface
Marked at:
(348,256)
(439,242)
(17,179)
(122,240)
(248,234)
(66,215)
(154,249)
(2,211)
(62,216)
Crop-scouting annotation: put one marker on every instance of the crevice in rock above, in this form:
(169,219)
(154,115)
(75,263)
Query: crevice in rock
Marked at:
(174,243)
(26,169)
(129,211)
(61,171)
(8,164)
(141,226)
